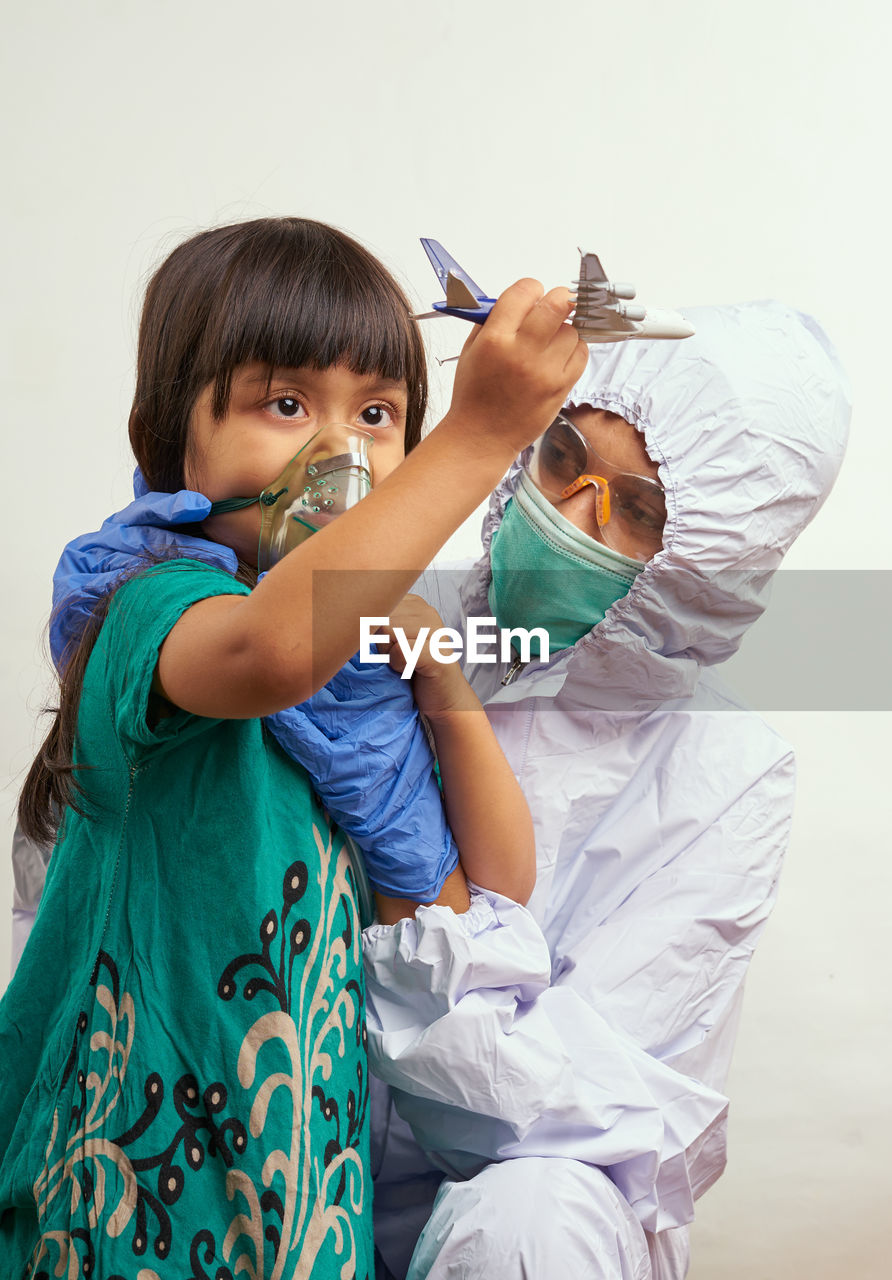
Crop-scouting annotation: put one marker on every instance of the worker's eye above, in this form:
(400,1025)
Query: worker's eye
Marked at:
(561,450)
(634,510)
(558,461)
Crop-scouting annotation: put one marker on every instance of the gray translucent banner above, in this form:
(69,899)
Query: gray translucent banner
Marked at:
(823,642)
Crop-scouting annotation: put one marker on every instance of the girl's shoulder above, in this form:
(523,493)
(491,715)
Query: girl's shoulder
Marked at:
(118,680)
(168,579)
(148,603)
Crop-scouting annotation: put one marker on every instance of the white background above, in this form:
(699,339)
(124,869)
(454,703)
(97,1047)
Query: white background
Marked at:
(711,152)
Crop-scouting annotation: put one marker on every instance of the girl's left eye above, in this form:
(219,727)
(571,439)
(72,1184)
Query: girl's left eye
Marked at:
(376,415)
(287,407)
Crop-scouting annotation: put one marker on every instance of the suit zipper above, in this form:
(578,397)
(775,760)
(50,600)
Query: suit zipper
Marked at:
(516,667)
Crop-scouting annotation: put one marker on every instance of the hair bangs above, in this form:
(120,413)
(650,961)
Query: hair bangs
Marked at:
(284,292)
(291,303)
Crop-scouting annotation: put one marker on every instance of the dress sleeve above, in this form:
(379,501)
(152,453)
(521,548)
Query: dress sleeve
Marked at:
(123,663)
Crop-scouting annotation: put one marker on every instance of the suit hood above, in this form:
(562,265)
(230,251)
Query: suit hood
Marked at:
(747,420)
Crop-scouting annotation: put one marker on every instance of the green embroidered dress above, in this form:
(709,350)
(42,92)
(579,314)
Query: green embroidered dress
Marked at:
(183,1087)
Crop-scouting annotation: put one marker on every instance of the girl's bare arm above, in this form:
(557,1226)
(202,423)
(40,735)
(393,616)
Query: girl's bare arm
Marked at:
(485,807)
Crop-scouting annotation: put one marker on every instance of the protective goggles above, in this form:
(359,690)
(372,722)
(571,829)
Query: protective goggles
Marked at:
(330,474)
(630,509)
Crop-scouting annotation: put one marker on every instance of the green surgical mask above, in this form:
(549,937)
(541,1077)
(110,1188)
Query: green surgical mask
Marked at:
(547,573)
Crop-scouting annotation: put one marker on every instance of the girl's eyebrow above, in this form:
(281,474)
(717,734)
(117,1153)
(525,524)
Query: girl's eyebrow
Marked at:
(266,377)
(388,384)
(263,375)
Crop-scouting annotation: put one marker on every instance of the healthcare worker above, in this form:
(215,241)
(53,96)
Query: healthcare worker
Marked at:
(662,806)
(662,810)
(29,864)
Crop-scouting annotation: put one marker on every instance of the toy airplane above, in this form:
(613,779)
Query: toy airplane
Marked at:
(600,316)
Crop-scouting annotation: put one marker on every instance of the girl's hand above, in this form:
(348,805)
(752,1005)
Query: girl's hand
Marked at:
(487,813)
(516,370)
(440,688)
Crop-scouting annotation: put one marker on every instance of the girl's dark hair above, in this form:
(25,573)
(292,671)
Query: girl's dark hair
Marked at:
(284,292)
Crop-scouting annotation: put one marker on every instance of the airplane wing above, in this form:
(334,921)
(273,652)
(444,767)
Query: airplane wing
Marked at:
(597,308)
(601,316)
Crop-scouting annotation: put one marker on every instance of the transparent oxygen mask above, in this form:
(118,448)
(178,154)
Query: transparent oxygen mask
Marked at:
(330,474)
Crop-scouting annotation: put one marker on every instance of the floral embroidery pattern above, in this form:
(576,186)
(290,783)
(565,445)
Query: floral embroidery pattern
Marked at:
(305,1193)
(94,1168)
(288,1200)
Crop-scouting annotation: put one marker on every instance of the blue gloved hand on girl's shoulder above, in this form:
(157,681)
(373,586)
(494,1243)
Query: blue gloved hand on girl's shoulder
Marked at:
(359,737)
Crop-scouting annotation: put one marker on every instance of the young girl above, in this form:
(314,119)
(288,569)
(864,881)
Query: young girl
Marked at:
(192,1097)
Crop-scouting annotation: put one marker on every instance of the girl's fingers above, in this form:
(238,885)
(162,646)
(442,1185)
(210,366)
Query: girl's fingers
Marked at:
(517,376)
(471,338)
(513,306)
(395,655)
(385,642)
(577,358)
(548,316)
(569,347)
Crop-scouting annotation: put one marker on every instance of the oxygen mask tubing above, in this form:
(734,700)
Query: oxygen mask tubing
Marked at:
(330,474)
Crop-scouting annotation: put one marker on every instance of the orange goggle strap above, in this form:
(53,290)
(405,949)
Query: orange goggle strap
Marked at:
(603,492)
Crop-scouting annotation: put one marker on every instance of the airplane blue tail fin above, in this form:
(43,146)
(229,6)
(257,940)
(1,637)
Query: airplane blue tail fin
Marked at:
(445,265)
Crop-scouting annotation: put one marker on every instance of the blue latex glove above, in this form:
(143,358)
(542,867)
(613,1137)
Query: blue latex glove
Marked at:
(94,563)
(361,740)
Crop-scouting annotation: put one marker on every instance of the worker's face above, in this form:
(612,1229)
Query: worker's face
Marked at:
(637,511)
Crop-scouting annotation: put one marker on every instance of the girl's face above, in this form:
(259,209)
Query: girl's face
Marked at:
(269,420)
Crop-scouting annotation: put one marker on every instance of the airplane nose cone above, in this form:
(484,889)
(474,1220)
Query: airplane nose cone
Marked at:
(666,324)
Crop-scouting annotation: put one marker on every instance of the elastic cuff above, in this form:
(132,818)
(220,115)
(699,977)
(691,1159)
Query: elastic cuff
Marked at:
(479,917)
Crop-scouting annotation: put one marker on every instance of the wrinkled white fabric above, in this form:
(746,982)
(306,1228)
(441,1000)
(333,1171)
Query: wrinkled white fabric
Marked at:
(566,1219)
(22,924)
(662,807)
(487,1060)
(29,864)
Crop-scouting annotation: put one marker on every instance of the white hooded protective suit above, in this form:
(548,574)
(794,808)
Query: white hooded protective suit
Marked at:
(29,864)
(596,1027)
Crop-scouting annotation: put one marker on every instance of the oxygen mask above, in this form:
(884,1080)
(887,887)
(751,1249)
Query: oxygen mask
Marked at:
(330,474)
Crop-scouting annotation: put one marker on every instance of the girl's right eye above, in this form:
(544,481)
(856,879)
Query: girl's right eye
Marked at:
(286,407)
